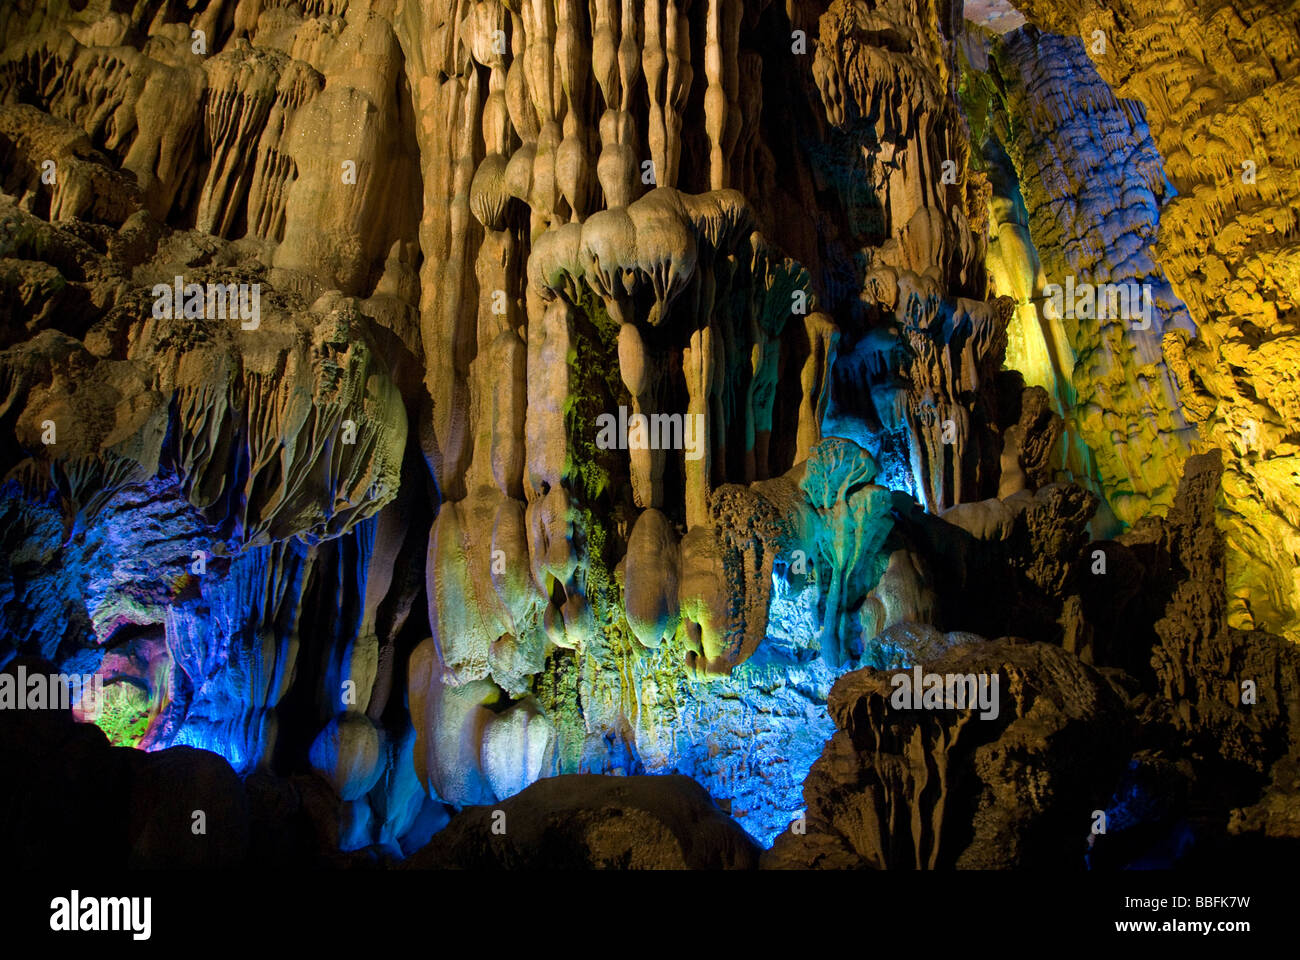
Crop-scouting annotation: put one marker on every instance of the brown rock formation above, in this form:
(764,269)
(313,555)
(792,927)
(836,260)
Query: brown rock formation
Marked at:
(915,789)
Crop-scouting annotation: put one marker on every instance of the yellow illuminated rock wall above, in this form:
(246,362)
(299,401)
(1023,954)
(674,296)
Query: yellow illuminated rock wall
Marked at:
(1077,192)
(1221,87)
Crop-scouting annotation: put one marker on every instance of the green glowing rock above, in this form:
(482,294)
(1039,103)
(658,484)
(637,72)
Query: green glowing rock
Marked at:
(124,716)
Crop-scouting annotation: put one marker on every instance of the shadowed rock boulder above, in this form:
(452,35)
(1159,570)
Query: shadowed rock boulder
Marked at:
(188,809)
(69,798)
(584,822)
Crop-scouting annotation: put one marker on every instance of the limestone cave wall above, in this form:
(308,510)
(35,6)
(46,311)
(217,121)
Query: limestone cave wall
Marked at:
(410,402)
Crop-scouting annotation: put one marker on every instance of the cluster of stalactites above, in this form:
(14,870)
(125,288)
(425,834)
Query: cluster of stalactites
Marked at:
(552,199)
(235,129)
